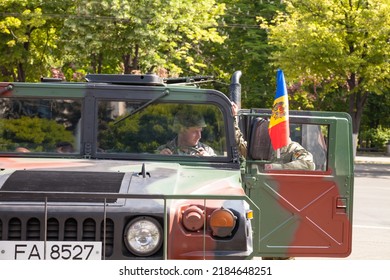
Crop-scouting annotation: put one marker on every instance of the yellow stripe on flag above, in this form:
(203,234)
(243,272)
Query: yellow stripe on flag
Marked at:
(279,111)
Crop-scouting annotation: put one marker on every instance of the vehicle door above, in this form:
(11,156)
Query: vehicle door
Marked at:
(303,212)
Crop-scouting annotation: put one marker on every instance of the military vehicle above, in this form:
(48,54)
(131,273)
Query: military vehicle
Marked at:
(82,175)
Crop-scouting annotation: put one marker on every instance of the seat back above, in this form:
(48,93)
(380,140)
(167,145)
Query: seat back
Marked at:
(260,143)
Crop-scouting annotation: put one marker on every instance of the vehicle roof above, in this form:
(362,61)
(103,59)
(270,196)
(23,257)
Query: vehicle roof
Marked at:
(148,82)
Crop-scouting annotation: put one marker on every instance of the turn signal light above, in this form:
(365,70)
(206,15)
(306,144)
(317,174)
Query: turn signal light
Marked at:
(249,214)
(222,222)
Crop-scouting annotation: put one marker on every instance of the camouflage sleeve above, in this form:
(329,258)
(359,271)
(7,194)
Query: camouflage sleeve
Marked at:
(160,148)
(171,145)
(298,159)
(240,141)
(298,164)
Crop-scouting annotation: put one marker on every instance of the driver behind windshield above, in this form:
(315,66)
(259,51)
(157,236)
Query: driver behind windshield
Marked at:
(188,125)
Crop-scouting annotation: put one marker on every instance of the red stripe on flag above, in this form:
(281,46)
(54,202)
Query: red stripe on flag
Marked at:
(279,135)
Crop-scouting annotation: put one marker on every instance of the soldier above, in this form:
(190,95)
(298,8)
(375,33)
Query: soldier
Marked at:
(293,156)
(64,147)
(188,126)
(241,143)
(22,150)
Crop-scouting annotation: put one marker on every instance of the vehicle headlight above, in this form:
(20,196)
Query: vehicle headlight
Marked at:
(143,236)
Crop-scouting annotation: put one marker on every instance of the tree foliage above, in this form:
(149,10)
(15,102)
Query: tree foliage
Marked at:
(114,36)
(334,53)
(245,48)
(107,36)
(336,46)
(29,38)
(36,134)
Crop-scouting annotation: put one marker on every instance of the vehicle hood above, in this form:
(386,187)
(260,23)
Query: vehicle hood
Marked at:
(114,176)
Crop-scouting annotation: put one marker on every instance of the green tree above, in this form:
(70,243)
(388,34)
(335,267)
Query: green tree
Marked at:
(245,48)
(375,127)
(108,36)
(34,133)
(126,36)
(28,38)
(335,45)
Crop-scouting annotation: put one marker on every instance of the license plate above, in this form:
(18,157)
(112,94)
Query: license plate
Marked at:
(50,250)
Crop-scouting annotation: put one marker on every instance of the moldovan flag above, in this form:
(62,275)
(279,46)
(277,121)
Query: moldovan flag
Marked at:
(279,130)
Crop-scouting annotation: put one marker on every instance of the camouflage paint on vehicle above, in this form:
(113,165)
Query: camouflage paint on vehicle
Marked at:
(308,213)
(207,207)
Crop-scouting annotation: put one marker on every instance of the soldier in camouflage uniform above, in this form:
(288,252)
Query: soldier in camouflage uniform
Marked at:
(188,126)
(240,141)
(293,156)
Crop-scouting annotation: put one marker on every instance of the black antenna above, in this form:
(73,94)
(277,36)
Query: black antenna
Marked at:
(51,80)
(143,171)
(189,80)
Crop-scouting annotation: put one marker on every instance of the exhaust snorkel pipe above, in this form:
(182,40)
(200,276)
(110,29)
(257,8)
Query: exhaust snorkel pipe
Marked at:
(235,89)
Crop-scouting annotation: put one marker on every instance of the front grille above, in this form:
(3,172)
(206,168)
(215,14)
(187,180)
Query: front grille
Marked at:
(33,229)
(15,229)
(89,230)
(69,229)
(108,232)
(53,229)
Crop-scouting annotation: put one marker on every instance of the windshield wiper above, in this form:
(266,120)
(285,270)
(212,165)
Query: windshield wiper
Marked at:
(165,93)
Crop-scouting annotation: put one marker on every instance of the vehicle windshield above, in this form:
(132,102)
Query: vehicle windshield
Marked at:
(40,125)
(160,126)
(53,126)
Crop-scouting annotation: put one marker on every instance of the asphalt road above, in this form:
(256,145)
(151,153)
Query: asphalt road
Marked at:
(371,222)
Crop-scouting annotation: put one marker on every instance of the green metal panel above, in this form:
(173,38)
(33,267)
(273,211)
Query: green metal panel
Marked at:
(307,213)
(42,90)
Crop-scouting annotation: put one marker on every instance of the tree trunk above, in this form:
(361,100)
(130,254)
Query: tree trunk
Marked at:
(356,105)
(100,63)
(357,101)
(131,62)
(93,62)
(21,73)
(136,58)
(126,63)
(26,47)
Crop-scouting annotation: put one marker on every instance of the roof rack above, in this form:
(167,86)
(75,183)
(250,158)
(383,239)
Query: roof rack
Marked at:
(126,79)
(145,79)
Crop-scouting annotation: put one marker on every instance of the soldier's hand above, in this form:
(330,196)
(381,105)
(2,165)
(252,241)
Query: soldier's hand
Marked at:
(234,109)
(203,152)
(268,166)
(166,151)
